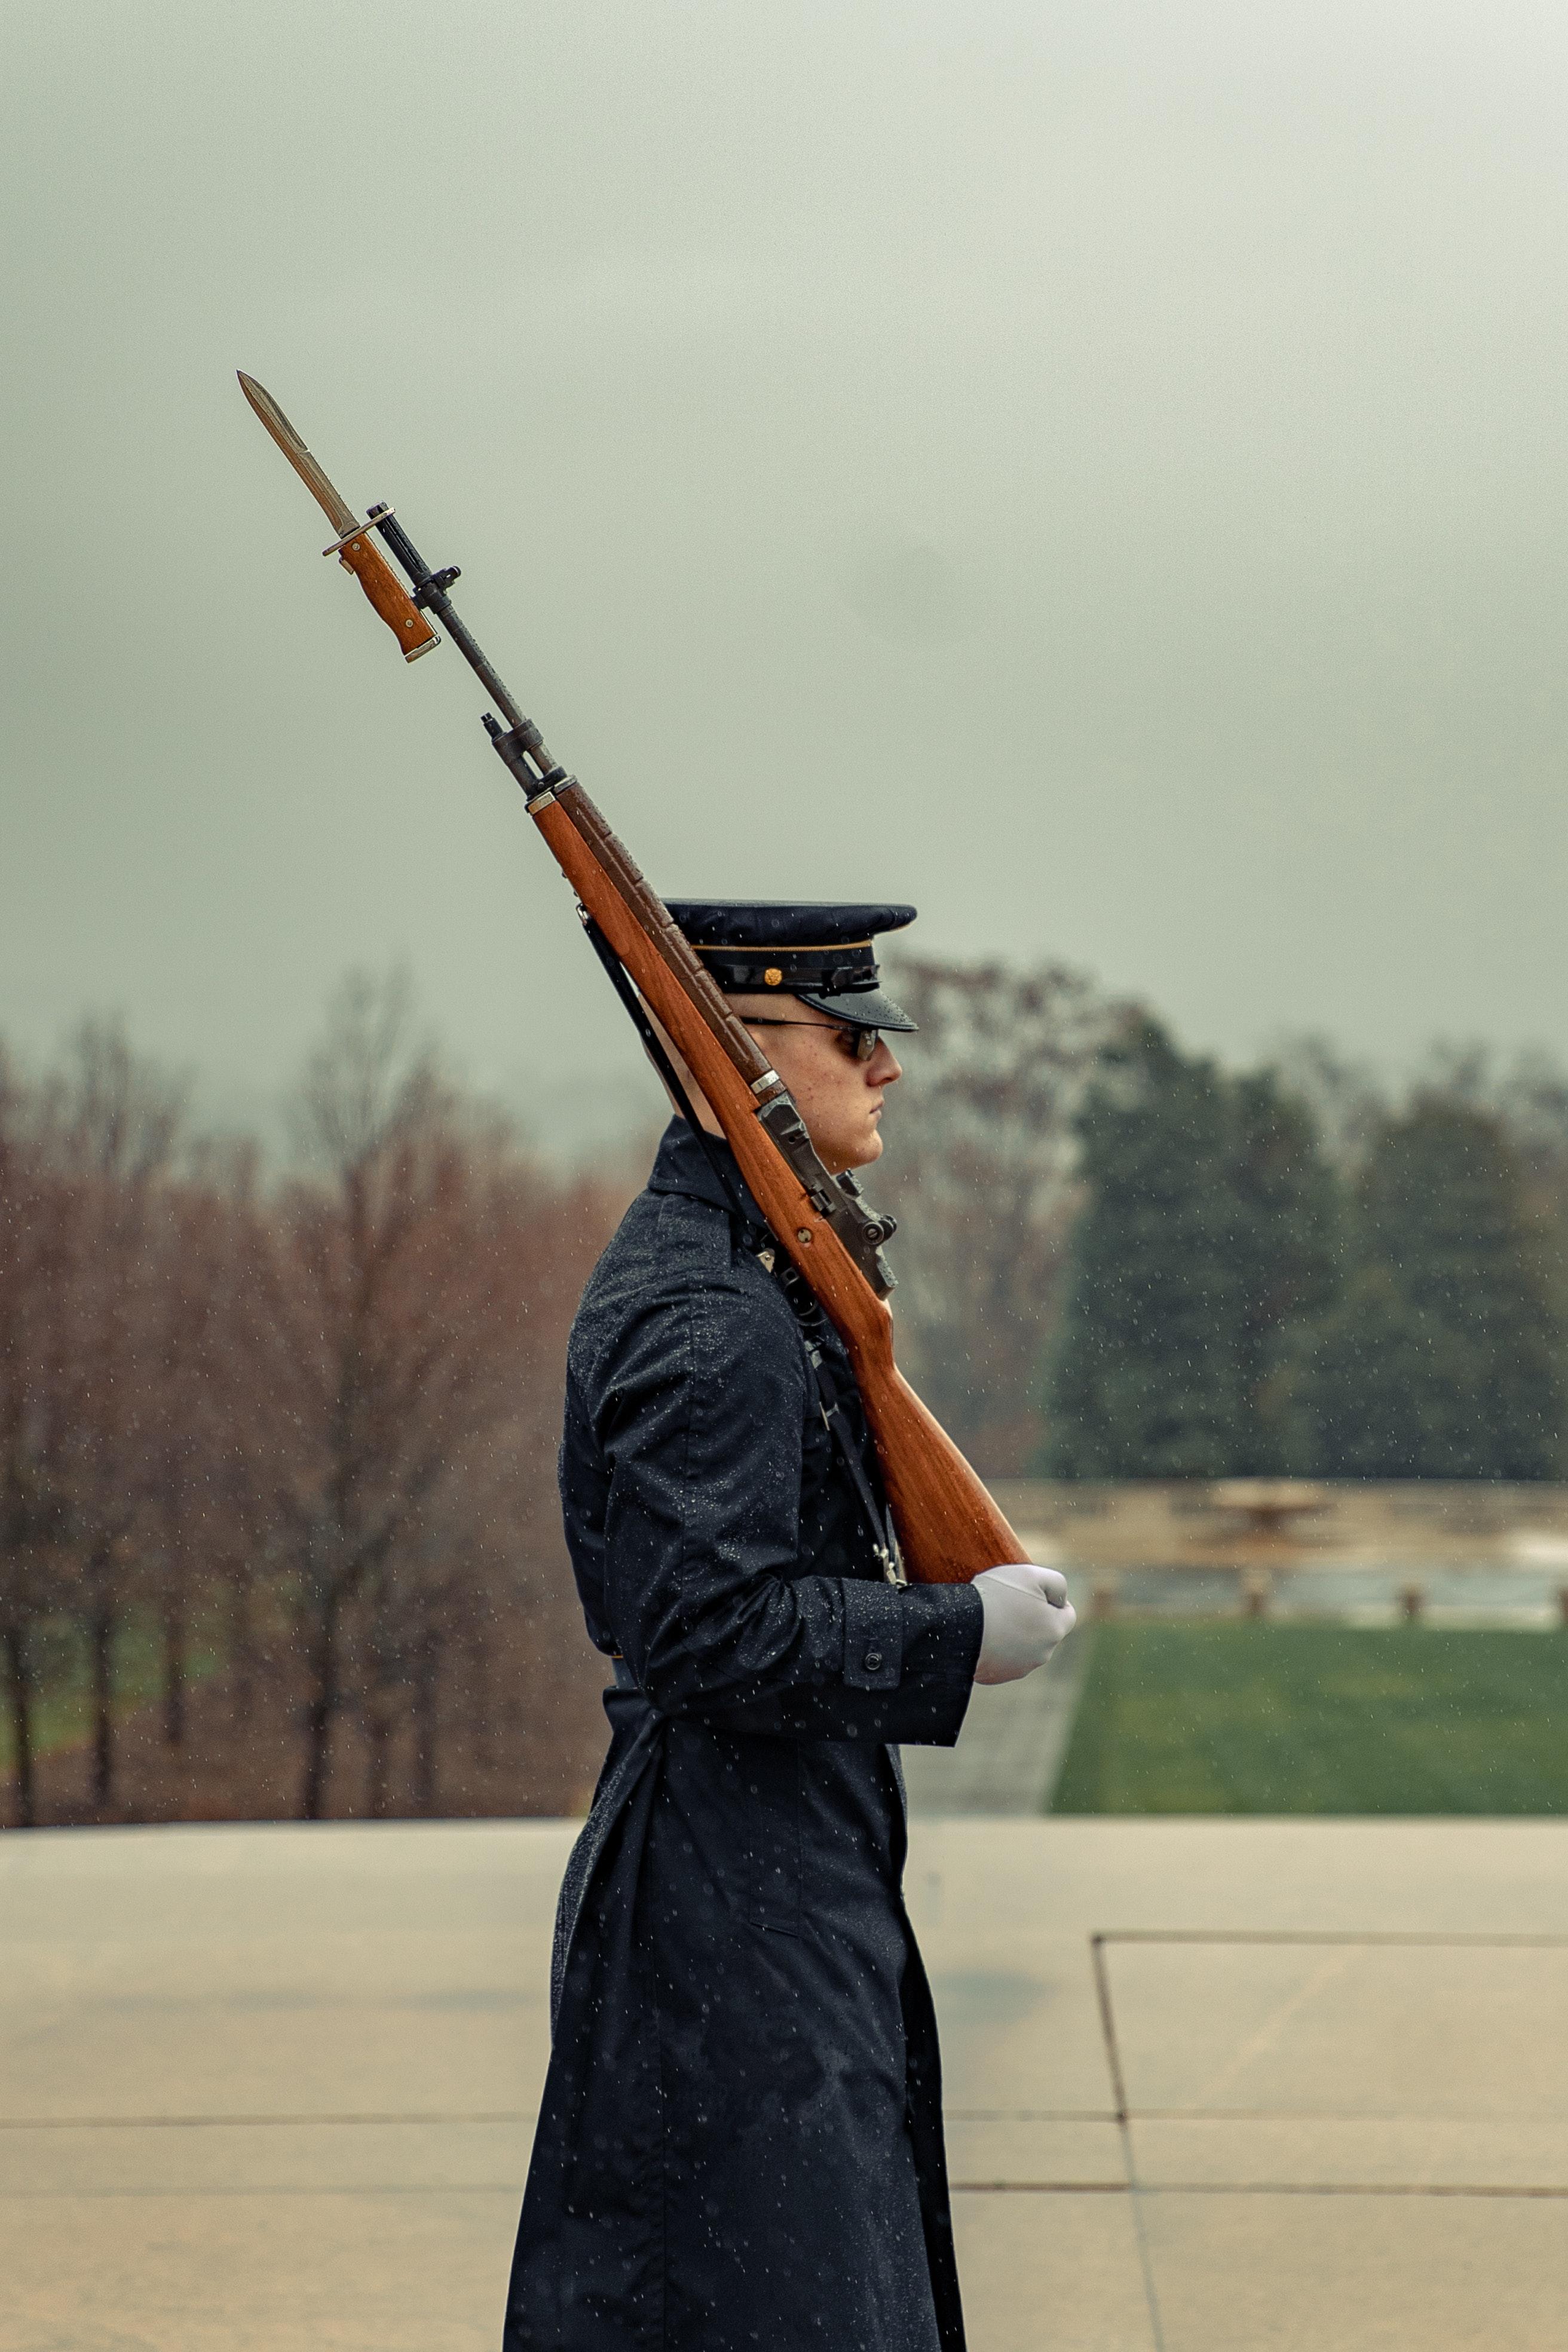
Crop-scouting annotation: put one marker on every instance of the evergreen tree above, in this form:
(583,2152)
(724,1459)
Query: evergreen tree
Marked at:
(1288,1229)
(1444,1360)
(1144,1380)
(1383,1389)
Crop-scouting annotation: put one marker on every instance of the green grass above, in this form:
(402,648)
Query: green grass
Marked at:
(64,1713)
(1258,1718)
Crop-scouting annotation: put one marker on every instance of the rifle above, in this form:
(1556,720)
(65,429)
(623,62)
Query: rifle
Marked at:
(949,1528)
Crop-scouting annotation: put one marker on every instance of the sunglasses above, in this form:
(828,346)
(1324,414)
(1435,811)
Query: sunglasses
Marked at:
(859,1044)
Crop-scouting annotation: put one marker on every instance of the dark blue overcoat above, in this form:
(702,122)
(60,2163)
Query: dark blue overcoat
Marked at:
(740,2139)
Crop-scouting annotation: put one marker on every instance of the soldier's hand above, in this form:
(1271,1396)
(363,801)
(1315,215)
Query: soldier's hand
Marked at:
(1027,1613)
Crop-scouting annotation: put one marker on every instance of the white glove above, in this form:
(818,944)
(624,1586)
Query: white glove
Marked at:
(1028,1612)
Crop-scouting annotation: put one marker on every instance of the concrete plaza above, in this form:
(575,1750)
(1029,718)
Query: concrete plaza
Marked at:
(1213,2085)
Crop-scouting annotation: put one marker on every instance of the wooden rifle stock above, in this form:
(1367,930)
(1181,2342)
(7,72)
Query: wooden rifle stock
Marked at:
(949,1527)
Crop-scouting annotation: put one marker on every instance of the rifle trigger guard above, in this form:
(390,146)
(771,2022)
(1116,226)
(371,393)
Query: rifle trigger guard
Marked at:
(843,1208)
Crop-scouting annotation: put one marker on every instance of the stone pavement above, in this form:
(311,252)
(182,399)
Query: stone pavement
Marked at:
(1214,2085)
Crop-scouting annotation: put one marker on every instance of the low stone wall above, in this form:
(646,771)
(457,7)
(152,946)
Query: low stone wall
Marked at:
(1354,1551)
(1235,1523)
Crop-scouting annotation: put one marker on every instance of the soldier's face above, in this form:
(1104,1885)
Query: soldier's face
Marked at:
(839,1099)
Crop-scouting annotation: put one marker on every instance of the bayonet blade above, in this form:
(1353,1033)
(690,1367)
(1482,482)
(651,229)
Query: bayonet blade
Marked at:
(337,511)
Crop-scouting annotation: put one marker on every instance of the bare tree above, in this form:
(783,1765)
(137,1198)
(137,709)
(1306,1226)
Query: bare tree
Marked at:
(336,1399)
(200,1535)
(416,1604)
(108,1128)
(487,1555)
(394,1344)
(982,1174)
(29,1497)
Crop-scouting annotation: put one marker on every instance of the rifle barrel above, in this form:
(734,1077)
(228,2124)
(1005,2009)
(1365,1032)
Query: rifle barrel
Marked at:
(430,594)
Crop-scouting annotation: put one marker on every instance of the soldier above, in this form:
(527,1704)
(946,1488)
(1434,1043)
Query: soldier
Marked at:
(740,2144)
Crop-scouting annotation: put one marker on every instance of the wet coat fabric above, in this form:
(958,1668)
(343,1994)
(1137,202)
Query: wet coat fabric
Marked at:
(739,2143)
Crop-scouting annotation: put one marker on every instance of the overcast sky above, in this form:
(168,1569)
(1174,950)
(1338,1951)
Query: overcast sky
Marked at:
(1097,471)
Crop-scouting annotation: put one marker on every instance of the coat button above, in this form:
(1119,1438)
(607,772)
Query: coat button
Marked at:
(873,1662)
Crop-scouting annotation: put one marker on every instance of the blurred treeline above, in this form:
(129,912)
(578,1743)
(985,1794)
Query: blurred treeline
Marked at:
(278,1531)
(1122,1261)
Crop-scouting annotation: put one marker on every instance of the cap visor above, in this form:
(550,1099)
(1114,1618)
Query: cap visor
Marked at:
(864,1008)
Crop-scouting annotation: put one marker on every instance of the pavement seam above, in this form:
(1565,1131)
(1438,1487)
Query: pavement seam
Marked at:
(1135,2190)
(1252,2188)
(1119,2092)
(1412,1937)
(248,2122)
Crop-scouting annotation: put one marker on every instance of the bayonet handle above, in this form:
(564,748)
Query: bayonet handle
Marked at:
(360,555)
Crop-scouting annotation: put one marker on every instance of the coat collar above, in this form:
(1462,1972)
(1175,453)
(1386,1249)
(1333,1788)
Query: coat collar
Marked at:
(682,1166)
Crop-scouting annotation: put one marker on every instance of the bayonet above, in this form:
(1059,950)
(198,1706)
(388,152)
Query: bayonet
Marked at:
(336,508)
(353,546)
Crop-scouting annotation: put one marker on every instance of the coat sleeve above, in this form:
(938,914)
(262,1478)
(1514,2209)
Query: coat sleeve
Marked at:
(698,1419)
